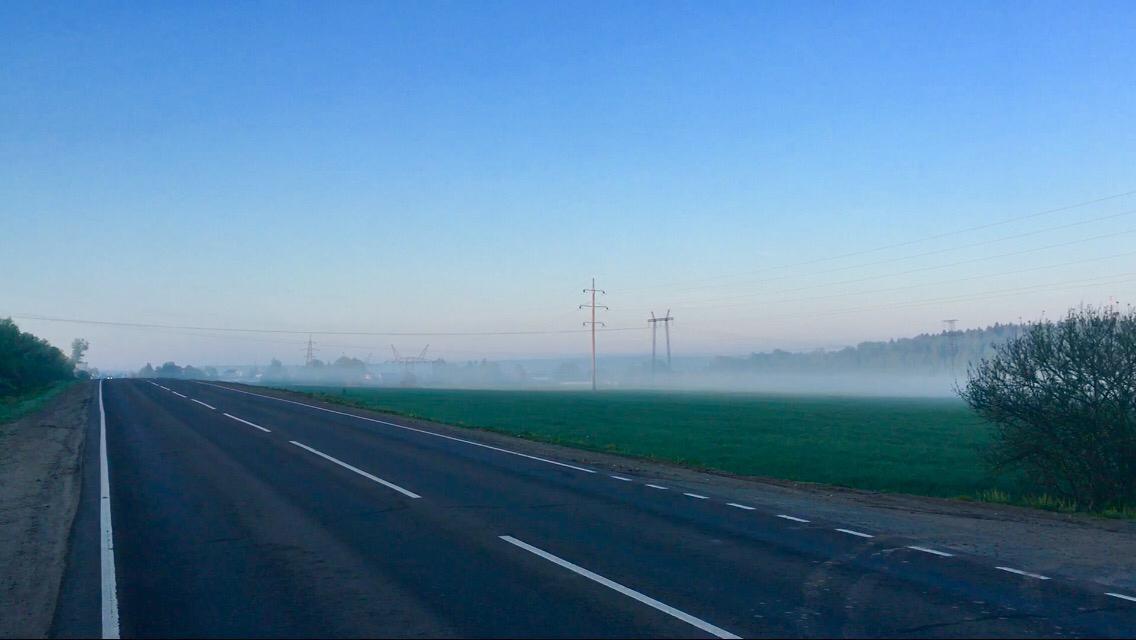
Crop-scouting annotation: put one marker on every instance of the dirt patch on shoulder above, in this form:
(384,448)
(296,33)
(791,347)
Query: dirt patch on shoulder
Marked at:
(39,491)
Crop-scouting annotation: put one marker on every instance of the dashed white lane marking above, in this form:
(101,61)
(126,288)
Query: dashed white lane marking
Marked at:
(176,393)
(627,591)
(1121,596)
(106,549)
(621,478)
(793,518)
(695,495)
(856,533)
(657,486)
(389,485)
(932,551)
(246,422)
(402,426)
(203,404)
(1024,573)
(740,506)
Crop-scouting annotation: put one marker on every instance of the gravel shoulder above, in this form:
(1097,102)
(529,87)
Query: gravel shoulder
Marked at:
(39,492)
(1077,547)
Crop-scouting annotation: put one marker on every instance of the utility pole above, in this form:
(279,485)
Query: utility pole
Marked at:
(952,340)
(310,353)
(666,320)
(593,306)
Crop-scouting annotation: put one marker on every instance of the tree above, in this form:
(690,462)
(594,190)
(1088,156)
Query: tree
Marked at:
(79,348)
(169,370)
(146,371)
(1062,399)
(28,363)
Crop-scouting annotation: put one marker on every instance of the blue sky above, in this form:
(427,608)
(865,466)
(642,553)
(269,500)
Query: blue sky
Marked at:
(466,166)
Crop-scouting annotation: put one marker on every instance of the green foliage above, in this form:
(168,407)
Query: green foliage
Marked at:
(28,363)
(15,407)
(921,446)
(1062,398)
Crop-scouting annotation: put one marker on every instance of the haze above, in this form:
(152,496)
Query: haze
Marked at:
(779,175)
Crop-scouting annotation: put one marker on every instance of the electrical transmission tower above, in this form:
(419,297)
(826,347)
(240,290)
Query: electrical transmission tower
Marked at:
(593,306)
(407,363)
(310,352)
(952,341)
(654,331)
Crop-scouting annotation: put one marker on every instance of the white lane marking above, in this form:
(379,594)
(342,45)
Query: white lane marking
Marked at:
(402,426)
(203,404)
(627,591)
(933,551)
(856,533)
(695,495)
(106,549)
(164,387)
(389,485)
(1121,596)
(621,478)
(793,518)
(153,384)
(656,486)
(740,506)
(246,422)
(1024,573)
(176,393)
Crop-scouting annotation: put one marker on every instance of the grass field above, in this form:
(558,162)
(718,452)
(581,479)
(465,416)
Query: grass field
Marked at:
(14,408)
(921,446)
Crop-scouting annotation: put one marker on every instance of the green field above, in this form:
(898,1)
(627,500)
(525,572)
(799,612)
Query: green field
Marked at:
(922,446)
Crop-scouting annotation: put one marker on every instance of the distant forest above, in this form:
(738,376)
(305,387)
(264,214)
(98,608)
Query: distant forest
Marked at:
(930,354)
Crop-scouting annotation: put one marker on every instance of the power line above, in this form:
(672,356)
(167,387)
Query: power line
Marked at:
(147,325)
(666,320)
(897,245)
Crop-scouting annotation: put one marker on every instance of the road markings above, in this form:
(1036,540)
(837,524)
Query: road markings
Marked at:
(793,518)
(389,485)
(740,506)
(621,478)
(1121,596)
(1024,573)
(695,495)
(246,422)
(176,393)
(401,426)
(106,549)
(656,486)
(203,404)
(627,591)
(856,533)
(932,551)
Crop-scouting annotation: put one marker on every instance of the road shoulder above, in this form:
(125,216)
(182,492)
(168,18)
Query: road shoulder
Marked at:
(40,473)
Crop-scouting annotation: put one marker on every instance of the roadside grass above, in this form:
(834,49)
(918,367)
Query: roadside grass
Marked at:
(923,446)
(16,407)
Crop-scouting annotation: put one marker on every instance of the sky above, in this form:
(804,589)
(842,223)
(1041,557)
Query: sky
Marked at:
(789,175)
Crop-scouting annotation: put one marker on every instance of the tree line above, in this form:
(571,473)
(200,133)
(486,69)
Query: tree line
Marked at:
(28,363)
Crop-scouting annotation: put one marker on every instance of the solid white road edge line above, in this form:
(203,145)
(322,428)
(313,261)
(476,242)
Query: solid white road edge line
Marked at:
(402,426)
(176,393)
(1024,573)
(246,422)
(1121,596)
(932,551)
(621,478)
(106,549)
(389,485)
(695,495)
(656,486)
(740,506)
(793,518)
(203,404)
(615,586)
(856,533)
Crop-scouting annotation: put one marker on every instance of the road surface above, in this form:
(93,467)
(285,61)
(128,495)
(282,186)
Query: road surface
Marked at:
(237,514)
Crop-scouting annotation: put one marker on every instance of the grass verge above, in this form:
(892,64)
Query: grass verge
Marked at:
(16,407)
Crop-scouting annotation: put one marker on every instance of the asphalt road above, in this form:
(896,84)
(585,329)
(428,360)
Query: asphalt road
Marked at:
(240,515)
